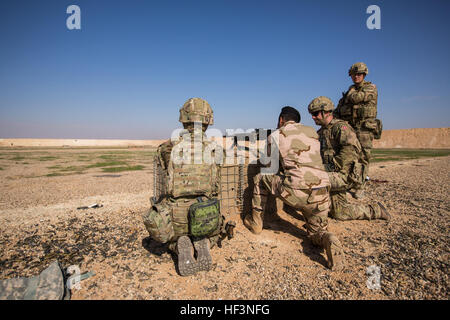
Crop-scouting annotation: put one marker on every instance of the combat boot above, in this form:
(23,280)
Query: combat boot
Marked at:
(186,262)
(335,253)
(384,214)
(254,221)
(204,259)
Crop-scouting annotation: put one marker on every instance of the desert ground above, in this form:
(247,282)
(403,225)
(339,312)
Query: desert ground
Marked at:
(39,222)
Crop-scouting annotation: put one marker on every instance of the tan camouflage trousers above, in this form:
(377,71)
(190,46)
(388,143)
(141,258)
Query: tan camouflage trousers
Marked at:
(314,204)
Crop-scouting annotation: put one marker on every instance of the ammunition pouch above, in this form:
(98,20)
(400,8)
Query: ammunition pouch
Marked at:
(365,137)
(375,126)
(366,112)
(158,222)
(205,218)
(180,214)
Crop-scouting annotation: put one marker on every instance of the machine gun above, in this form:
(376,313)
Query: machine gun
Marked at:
(258,134)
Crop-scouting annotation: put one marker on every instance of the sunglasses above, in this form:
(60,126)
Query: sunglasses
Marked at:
(315,114)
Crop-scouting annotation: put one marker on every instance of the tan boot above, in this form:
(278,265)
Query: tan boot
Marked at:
(379,211)
(187,265)
(335,253)
(384,214)
(204,259)
(254,221)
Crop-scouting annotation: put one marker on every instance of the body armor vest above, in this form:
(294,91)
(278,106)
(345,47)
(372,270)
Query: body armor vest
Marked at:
(194,177)
(358,104)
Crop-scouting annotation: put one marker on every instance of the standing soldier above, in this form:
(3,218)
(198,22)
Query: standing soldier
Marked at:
(341,155)
(188,216)
(358,107)
(304,184)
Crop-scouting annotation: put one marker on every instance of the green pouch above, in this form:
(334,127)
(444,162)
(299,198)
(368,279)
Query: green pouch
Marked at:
(204,217)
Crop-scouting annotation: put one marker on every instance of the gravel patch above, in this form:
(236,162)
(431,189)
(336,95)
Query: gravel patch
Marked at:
(39,222)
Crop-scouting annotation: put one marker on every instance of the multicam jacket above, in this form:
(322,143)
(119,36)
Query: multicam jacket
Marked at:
(339,146)
(358,104)
(299,151)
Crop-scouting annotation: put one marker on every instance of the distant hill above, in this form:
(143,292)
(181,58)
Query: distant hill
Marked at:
(78,143)
(428,138)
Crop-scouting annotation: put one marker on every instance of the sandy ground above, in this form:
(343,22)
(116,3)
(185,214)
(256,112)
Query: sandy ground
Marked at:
(40,222)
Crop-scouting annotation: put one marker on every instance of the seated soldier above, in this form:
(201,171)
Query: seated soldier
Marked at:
(192,183)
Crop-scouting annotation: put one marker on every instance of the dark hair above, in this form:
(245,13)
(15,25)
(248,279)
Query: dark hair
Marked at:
(289,113)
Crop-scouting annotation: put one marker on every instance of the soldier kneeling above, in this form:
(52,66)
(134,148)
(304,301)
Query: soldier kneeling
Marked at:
(188,216)
(342,157)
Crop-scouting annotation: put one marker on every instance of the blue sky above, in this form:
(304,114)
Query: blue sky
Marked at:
(132,65)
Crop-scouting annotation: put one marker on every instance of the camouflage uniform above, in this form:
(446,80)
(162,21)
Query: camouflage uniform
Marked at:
(190,172)
(48,285)
(304,185)
(341,154)
(358,107)
(180,204)
(340,151)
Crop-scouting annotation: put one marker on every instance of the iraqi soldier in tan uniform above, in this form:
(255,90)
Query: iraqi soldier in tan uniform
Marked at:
(341,155)
(304,184)
(358,107)
(191,173)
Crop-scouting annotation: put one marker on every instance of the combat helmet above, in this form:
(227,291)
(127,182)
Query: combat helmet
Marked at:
(196,110)
(321,104)
(359,67)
